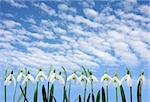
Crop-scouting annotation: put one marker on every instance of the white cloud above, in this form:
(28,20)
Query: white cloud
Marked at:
(91,13)
(16,4)
(11,23)
(31,20)
(46,8)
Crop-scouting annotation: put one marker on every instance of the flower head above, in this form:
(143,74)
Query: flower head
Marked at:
(52,77)
(73,77)
(141,78)
(127,78)
(60,78)
(40,76)
(20,75)
(106,79)
(29,77)
(115,80)
(83,78)
(10,79)
(92,78)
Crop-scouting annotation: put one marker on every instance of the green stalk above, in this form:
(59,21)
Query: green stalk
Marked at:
(36,93)
(92,87)
(103,95)
(98,96)
(52,94)
(130,94)
(64,90)
(5,89)
(139,92)
(116,94)
(107,92)
(25,98)
(15,92)
(44,94)
(48,91)
(122,94)
(69,91)
(85,84)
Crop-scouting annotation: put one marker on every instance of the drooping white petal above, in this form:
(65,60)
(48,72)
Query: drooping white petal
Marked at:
(115,81)
(52,78)
(61,79)
(20,76)
(141,78)
(31,78)
(28,78)
(106,79)
(73,77)
(40,76)
(8,80)
(83,79)
(93,78)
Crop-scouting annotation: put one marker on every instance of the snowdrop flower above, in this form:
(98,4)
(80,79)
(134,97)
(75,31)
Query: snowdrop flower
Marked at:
(29,77)
(52,77)
(141,78)
(20,76)
(60,78)
(127,78)
(92,78)
(83,78)
(115,80)
(40,76)
(10,79)
(106,79)
(73,77)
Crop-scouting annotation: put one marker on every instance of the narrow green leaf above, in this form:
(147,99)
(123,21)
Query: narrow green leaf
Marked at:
(103,95)
(80,98)
(65,95)
(36,93)
(93,98)
(44,94)
(88,99)
(139,88)
(98,96)
(51,93)
(122,94)
(23,94)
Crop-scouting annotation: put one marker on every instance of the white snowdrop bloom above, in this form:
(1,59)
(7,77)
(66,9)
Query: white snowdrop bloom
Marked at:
(10,79)
(60,79)
(106,79)
(20,76)
(73,77)
(28,78)
(52,77)
(115,80)
(92,78)
(83,79)
(128,79)
(141,78)
(40,76)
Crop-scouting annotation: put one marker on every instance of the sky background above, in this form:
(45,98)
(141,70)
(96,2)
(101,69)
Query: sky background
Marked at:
(101,35)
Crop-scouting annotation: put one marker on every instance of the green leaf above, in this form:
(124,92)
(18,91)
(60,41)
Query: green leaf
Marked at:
(122,94)
(5,89)
(23,94)
(88,99)
(93,98)
(139,89)
(103,95)
(51,93)
(80,98)
(98,96)
(36,93)
(65,95)
(44,94)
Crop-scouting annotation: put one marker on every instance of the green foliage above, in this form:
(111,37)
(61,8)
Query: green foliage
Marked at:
(122,94)
(139,89)
(93,97)
(36,93)
(88,99)
(51,93)
(103,95)
(44,94)
(98,96)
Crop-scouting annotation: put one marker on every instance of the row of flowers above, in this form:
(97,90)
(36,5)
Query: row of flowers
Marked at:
(85,78)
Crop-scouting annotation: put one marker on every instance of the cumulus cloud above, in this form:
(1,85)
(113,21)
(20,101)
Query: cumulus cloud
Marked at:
(110,37)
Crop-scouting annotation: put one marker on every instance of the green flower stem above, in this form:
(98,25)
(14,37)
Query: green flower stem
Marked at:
(107,92)
(48,91)
(116,94)
(15,92)
(92,87)
(36,93)
(130,94)
(69,91)
(5,89)
(85,91)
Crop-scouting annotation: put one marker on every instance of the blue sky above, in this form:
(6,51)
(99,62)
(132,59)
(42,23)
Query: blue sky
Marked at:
(99,35)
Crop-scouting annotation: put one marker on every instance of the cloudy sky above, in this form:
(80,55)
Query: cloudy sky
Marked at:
(72,34)
(98,35)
